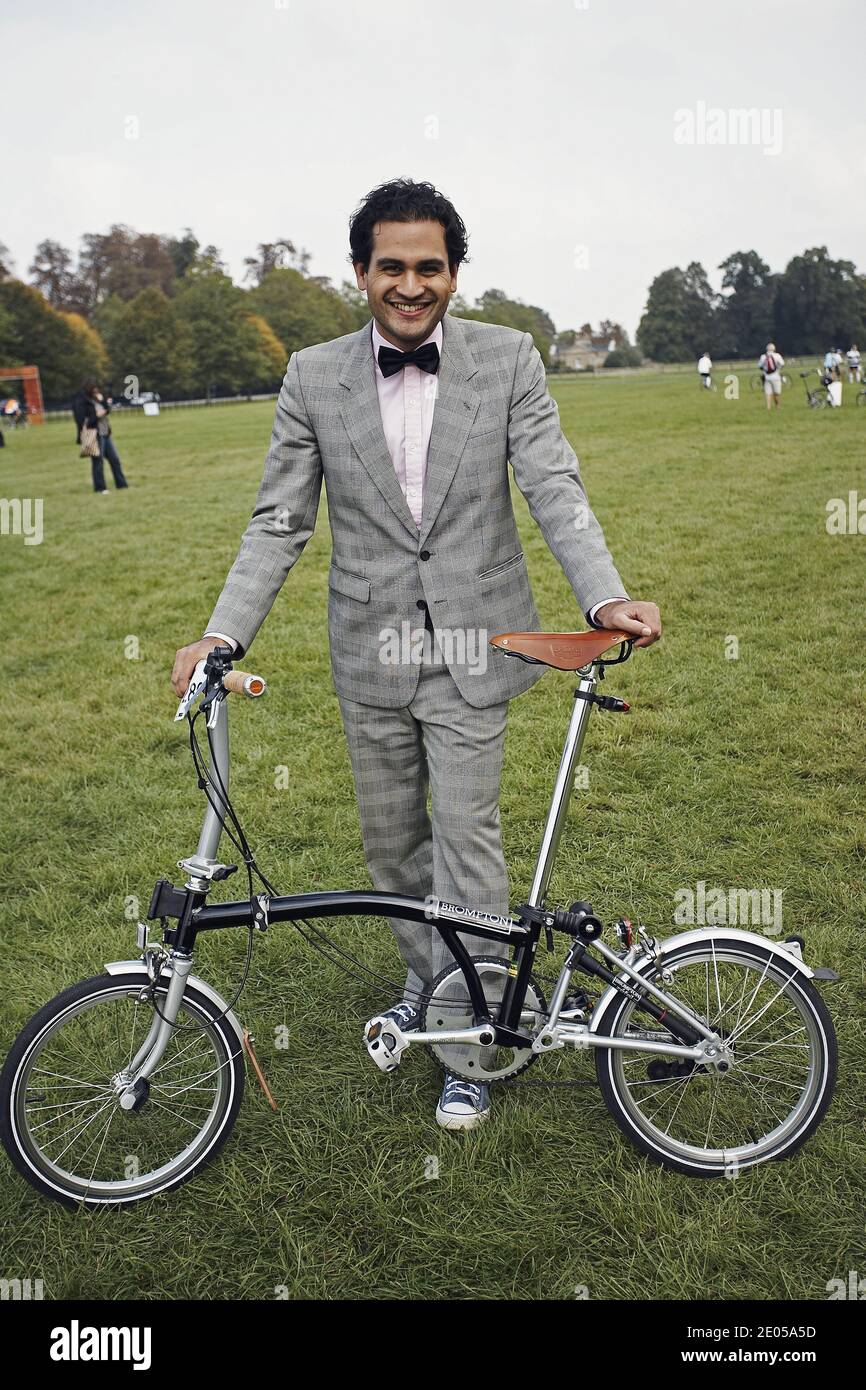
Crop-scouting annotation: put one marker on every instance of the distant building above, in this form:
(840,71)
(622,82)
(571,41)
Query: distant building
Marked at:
(582,353)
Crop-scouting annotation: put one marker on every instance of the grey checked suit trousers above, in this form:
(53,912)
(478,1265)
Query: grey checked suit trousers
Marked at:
(411,727)
(443,745)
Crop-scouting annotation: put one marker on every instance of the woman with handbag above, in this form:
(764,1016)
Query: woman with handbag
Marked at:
(90,409)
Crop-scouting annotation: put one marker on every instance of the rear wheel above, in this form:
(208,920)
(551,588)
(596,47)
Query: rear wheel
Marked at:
(61,1121)
(779,1078)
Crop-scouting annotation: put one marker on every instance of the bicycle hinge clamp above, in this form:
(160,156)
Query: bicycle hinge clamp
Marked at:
(611,702)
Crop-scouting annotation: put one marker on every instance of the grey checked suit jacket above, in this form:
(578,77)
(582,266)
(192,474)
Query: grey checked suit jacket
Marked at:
(466,562)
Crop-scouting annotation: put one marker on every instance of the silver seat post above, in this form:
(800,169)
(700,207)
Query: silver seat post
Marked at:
(212,827)
(563,788)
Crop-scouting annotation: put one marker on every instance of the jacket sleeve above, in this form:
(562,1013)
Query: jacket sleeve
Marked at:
(548,474)
(283,519)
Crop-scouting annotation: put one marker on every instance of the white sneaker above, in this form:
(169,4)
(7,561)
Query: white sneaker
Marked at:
(463,1104)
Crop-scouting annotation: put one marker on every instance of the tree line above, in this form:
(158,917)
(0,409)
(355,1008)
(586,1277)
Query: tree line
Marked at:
(142,311)
(814,304)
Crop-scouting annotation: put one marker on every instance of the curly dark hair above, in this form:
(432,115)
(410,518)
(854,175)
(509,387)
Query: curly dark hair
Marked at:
(404,200)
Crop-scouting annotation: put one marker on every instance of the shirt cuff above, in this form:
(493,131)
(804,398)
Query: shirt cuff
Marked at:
(229,641)
(615,598)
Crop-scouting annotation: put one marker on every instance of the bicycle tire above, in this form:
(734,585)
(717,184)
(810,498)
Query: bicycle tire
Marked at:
(649,1141)
(15,1132)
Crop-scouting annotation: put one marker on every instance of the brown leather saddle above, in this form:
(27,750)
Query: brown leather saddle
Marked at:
(565,651)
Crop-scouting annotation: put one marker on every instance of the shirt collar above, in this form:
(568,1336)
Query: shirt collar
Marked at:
(378,341)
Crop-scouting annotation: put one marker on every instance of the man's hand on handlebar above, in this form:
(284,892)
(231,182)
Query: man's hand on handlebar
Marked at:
(186,660)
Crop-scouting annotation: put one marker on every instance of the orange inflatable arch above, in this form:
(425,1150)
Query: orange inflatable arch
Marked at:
(32,390)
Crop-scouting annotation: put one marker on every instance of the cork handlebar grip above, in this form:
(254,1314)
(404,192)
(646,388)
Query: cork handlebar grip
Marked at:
(242,683)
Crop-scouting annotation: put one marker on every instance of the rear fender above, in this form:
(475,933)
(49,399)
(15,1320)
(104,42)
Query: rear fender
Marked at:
(722,936)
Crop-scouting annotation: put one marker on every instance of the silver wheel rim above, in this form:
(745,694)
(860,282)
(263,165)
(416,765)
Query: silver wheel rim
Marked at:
(773,1087)
(64,1121)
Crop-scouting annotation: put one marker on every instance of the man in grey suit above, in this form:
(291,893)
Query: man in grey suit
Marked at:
(411,423)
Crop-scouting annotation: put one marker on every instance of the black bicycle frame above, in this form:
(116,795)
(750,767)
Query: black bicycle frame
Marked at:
(189,906)
(449,919)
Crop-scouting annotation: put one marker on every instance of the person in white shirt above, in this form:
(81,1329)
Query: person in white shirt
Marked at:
(705,368)
(770,364)
(853,359)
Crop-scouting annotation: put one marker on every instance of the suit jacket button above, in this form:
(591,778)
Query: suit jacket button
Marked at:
(425,555)
(421,603)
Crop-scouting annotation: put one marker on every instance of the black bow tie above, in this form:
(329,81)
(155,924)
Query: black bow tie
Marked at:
(426,357)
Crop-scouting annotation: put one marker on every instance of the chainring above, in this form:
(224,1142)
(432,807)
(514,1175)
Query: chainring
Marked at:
(448,1007)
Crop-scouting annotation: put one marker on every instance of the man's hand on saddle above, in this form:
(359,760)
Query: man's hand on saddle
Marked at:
(641,619)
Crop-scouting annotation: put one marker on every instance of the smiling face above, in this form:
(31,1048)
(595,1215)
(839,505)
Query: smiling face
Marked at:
(408,282)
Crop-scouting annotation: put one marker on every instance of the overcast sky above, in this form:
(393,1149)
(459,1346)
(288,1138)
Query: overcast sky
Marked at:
(551,125)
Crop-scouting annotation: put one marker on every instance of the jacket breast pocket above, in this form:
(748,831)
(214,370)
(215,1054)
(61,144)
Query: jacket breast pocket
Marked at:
(355,586)
(503,571)
(488,432)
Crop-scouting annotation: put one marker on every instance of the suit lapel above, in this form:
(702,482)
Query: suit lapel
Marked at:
(455,410)
(456,407)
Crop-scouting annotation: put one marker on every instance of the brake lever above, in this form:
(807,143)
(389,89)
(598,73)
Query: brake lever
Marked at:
(197,684)
(211,703)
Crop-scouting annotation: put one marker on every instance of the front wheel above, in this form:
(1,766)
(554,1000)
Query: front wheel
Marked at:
(61,1121)
(778,1083)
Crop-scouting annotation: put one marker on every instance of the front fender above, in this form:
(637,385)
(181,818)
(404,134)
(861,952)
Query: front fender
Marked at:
(138,967)
(721,935)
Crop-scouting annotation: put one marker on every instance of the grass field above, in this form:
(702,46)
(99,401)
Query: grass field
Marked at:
(738,772)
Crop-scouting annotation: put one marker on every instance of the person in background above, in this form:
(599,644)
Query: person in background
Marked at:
(705,368)
(830,362)
(770,364)
(90,407)
(852,357)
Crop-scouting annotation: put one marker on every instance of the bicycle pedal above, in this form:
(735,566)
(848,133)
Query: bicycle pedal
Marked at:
(385,1042)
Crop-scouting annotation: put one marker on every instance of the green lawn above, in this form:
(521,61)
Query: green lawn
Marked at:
(745,772)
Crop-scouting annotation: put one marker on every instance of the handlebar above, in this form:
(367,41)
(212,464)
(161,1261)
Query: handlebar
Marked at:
(210,682)
(242,683)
